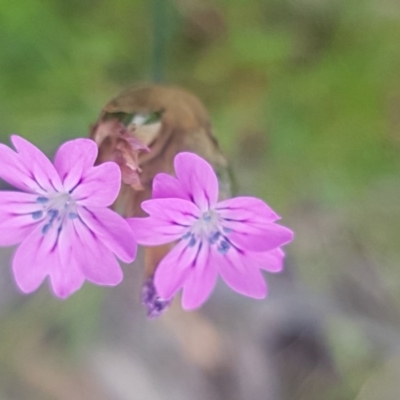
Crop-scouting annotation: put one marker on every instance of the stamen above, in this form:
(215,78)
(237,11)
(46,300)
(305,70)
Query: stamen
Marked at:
(208,228)
(223,247)
(37,214)
(53,214)
(42,200)
(186,235)
(214,237)
(192,241)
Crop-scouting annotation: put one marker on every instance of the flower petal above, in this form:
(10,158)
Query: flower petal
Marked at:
(71,254)
(169,220)
(271,261)
(16,219)
(198,179)
(14,171)
(112,230)
(66,276)
(200,280)
(239,274)
(167,186)
(73,159)
(254,237)
(39,166)
(32,259)
(66,280)
(99,186)
(82,249)
(152,232)
(173,269)
(176,211)
(248,209)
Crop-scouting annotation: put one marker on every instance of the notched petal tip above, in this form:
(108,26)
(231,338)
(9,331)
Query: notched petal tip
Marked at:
(272,261)
(81,150)
(63,292)
(26,287)
(197,178)
(186,157)
(17,139)
(100,185)
(287,234)
(167,186)
(190,304)
(36,165)
(61,295)
(73,159)
(25,147)
(90,144)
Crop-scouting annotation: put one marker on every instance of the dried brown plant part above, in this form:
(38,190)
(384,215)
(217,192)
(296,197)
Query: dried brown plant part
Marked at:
(119,144)
(183,125)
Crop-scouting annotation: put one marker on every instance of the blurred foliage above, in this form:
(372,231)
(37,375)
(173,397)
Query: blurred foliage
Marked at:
(305,99)
(317,79)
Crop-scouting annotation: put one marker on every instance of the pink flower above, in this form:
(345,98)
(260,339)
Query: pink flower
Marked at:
(233,238)
(61,218)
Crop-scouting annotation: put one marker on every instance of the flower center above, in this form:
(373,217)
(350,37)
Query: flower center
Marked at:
(209,228)
(54,210)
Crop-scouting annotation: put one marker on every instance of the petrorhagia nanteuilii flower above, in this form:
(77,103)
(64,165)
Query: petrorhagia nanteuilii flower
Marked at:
(234,238)
(61,218)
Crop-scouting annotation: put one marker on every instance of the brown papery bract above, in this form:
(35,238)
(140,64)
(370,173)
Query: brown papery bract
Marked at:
(144,150)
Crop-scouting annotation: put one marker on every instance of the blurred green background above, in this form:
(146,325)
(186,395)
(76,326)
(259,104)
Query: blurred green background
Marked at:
(304,97)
